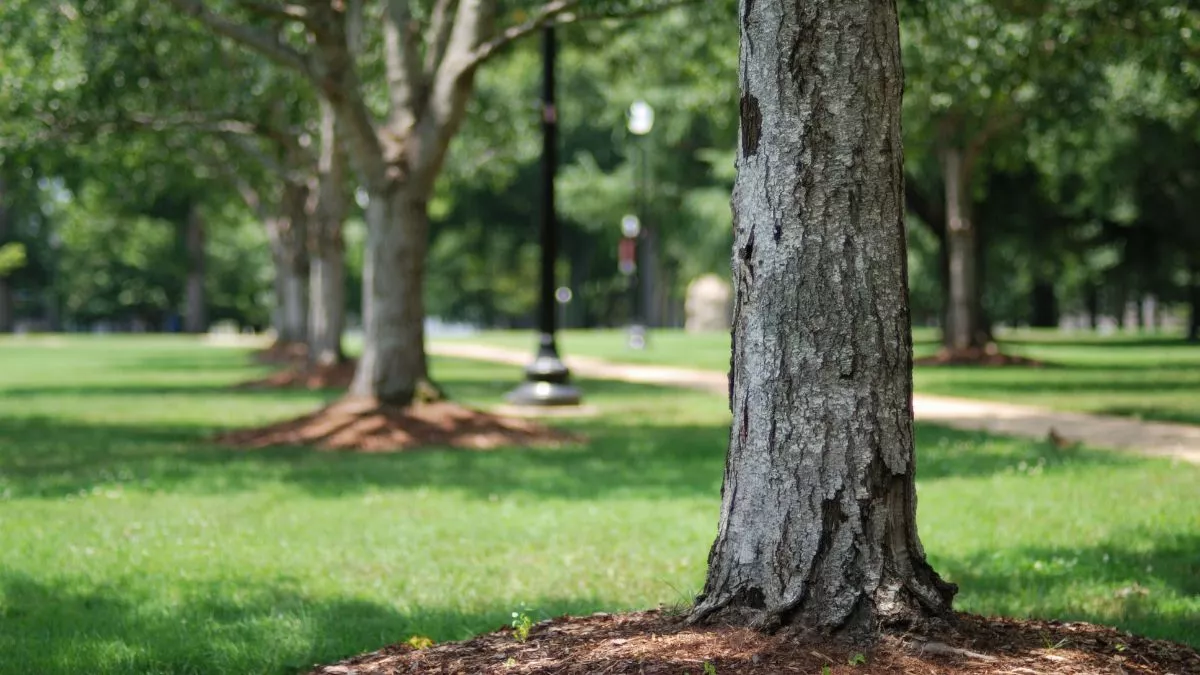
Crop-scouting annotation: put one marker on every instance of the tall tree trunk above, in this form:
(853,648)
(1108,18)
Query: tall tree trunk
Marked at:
(195,312)
(982,331)
(818,514)
(286,233)
(961,332)
(6,297)
(1194,299)
(393,367)
(327,267)
(1044,305)
(1149,311)
(650,273)
(1092,300)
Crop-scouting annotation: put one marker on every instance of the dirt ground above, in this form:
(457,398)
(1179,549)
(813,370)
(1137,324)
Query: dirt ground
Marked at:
(658,643)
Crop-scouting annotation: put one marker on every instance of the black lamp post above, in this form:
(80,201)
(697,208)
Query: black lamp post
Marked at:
(547,379)
(641,121)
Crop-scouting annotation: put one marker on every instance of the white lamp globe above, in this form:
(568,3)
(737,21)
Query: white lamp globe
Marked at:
(641,118)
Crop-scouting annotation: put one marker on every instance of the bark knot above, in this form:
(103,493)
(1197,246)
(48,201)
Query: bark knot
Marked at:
(751,125)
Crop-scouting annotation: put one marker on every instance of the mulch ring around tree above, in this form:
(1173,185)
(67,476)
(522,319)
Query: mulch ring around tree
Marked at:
(282,352)
(656,643)
(989,355)
(364,425)
(302,375)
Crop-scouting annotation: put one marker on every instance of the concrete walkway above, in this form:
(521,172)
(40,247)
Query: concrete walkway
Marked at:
(1159,439)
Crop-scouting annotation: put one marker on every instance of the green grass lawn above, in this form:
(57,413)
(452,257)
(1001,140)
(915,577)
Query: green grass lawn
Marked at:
(130,544)
(1148,377)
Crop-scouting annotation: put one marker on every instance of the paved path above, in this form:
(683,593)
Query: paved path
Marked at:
(1160,439)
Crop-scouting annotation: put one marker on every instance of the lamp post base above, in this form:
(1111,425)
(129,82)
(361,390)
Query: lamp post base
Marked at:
(637,337)
(546,380)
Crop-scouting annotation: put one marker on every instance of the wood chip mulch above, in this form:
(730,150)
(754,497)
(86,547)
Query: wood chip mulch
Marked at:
(364,425)
(980,356)
(656,643)
(282,352)
(305,376)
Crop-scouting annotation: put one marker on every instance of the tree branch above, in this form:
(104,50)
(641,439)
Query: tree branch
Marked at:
(631,13)
(285,12)
(404,77)
(561,12)
(451,85)
(262,42)
(215,124)
(439,34)
(354,26)
(544,15)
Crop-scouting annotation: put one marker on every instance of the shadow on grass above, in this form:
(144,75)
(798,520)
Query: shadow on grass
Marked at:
(1154,413)
(233,626)
(1124,573)
(1131,342)
(49,458)
(478,391)
(1176,378)
(134,391)
(949,453)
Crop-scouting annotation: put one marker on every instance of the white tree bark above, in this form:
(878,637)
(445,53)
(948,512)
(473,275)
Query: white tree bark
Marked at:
(393,368)
(818,508)
(286,233)
(327,275)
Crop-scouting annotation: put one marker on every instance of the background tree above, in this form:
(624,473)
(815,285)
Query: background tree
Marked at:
(430,53)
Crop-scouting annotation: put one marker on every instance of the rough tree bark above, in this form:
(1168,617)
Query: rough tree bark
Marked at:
(818,507)
(327,266)
(195,311)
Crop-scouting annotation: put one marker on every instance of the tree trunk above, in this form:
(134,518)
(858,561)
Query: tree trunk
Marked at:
(1092,299)
(286,233)
(195,319)
(393,367)
(6,296)
(961,332)
(818,505)
(1149,312)
(1044,310)
(1194,298)
(294,304)
(650,273)
(6,306)
(327,271)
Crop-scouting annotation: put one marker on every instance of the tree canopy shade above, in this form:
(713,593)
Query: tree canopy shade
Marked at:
(818,503)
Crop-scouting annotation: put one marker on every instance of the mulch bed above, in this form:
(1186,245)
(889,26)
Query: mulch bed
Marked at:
(366,426)
(305,376)
(657,643)
(978,356)
(283,352)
